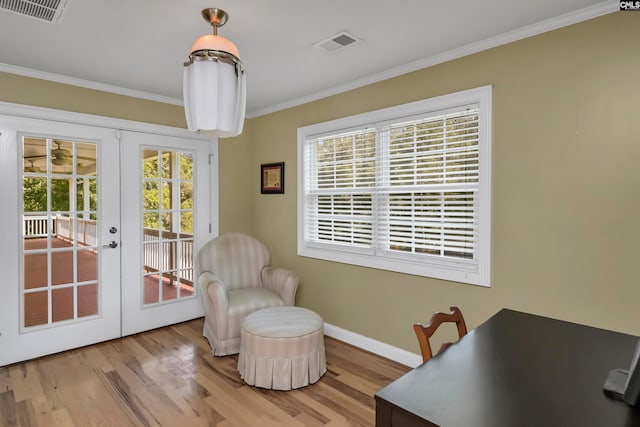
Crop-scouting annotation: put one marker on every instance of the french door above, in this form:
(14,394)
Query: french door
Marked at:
(100,227)
(165,208)
(60,287)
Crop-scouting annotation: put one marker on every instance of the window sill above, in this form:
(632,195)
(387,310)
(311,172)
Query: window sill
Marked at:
(461,271)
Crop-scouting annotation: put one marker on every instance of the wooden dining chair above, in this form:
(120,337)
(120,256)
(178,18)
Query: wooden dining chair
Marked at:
(425,332)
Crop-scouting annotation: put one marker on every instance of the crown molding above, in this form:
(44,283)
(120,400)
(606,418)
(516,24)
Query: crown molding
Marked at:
(557,22)
(58,78)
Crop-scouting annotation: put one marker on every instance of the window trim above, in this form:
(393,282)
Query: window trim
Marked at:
(457,270)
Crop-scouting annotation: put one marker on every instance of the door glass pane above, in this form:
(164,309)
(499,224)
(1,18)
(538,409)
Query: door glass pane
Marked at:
(86,159)
(60,239)
(167,223)
(151,222)
(169,286)
(60,194)
(186,224)
(89,262)
(36,308)
(35,271)
(62,266)
(186,195)
(186,282)
(186,166)
(150,165)
(168,215)
(88,300)
(152,288)
(86,229)
(167,191)
(86,194)
(35,156)
(34,196)
(61,157)
(151,196)
(168,165)
(62,304)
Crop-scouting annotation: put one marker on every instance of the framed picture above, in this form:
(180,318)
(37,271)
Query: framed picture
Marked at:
(272,178)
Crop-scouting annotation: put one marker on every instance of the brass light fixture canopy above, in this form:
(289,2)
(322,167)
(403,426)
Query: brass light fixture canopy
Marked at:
(216,17)
(212,47)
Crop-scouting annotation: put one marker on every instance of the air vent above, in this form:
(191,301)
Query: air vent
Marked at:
(45,10)
(336,42)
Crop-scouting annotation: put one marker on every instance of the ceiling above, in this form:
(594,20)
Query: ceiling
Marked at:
(138,46)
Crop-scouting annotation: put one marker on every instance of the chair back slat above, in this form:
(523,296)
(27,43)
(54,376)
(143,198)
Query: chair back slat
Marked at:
(424,333)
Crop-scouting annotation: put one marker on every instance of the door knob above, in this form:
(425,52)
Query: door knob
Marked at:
(112,244)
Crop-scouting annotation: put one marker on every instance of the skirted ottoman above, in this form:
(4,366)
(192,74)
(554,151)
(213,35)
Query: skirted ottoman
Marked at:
(282,348)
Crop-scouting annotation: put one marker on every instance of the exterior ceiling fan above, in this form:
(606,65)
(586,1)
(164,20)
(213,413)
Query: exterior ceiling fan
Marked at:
(32,167)
(59,156)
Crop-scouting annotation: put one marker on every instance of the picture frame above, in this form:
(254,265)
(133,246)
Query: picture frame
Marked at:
(272,178)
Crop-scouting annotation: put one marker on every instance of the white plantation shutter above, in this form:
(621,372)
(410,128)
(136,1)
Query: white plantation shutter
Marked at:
(427,187)
(340,176)
(404,194)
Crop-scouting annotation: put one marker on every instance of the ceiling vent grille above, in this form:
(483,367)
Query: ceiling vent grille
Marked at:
(336,42)
(46,10)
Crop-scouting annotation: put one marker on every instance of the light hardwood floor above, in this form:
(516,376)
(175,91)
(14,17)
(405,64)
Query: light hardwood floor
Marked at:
(168,377)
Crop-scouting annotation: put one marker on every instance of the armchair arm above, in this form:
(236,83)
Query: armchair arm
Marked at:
(281,281)
(216,300)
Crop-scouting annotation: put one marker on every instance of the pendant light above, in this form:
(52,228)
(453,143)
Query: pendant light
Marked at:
(214,86)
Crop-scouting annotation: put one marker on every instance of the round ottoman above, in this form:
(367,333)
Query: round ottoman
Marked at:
(282,348)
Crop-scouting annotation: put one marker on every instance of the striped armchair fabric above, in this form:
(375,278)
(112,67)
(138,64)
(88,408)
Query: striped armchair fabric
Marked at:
(236,279)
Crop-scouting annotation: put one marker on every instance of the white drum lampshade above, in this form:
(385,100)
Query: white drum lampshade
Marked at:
(214,86)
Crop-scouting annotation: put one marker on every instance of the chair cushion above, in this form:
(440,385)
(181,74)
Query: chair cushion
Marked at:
(282,322)
(245,301)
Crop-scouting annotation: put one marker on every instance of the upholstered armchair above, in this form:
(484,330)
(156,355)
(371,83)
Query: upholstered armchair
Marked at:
(236,279)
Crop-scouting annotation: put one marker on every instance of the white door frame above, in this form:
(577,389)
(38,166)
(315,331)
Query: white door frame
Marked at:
(10,336)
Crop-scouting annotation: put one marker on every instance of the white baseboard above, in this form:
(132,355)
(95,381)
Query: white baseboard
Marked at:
(377,347)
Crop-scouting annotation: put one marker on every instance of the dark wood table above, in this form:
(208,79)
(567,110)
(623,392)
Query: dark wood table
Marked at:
(515,370)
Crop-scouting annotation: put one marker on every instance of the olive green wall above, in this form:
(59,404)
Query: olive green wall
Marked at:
(234,177)
(566,148)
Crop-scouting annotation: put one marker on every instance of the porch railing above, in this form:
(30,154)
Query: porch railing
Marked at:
(86,233)
(62,227)
(35,226)
(165,256)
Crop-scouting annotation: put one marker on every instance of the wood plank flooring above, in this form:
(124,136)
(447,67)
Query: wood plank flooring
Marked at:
(168,377)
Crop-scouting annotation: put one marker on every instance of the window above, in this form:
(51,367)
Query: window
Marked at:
(404,189)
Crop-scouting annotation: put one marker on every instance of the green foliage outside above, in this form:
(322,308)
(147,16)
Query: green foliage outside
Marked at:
(159,187)
(35,195)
